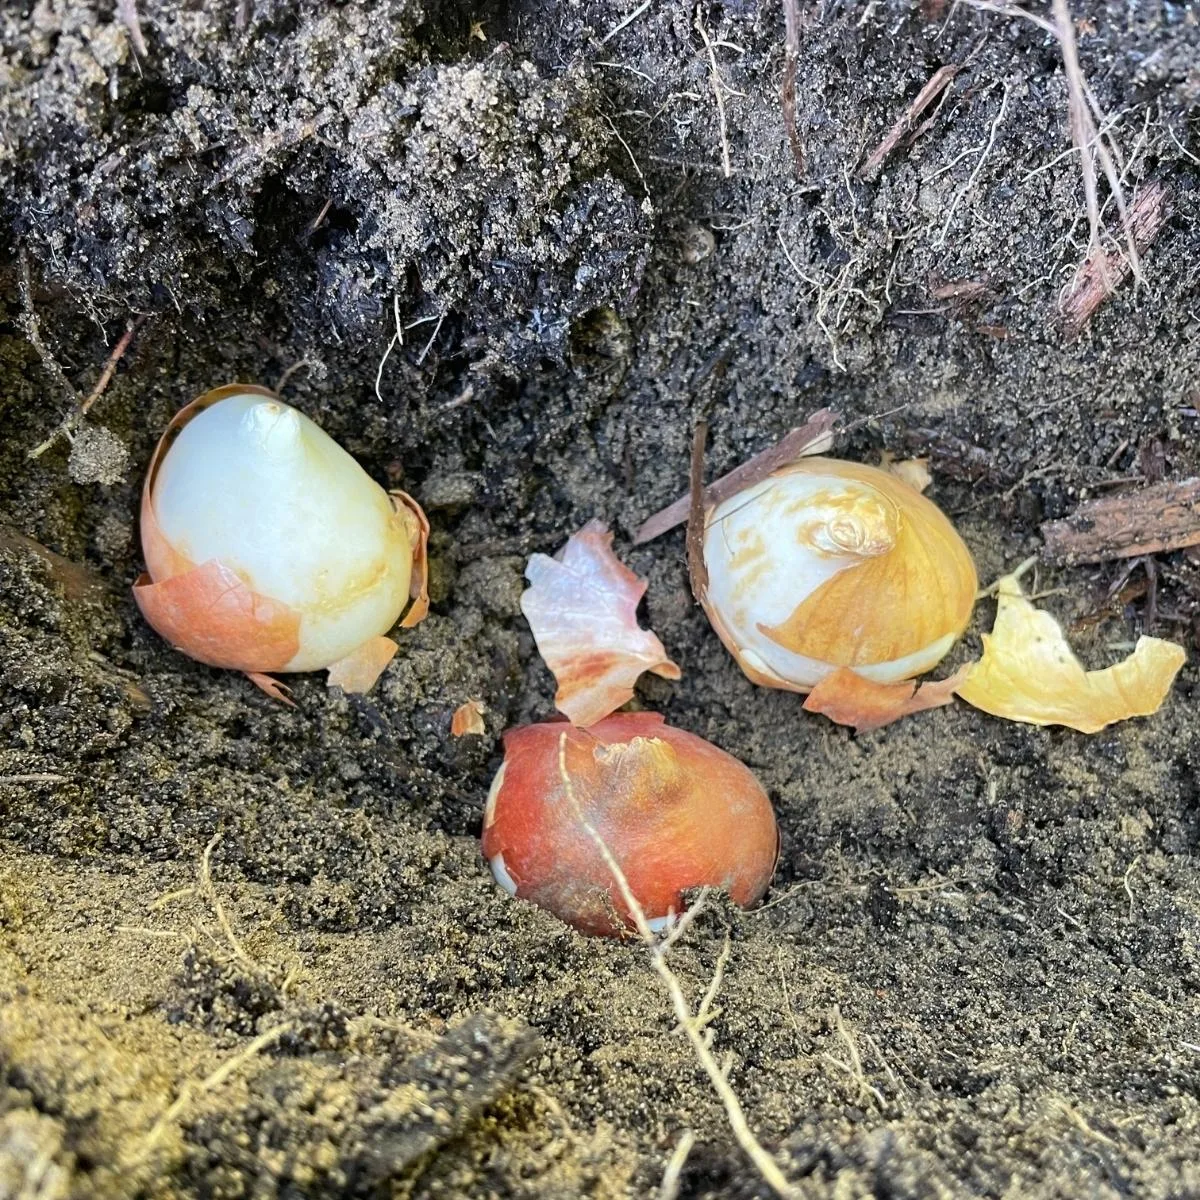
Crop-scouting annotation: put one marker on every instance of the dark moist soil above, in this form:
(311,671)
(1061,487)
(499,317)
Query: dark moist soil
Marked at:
(1002,923)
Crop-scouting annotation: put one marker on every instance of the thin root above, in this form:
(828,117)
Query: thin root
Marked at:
(766,1166)
(718,92)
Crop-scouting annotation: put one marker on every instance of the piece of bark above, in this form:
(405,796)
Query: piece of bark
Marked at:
(1150,521)
(938,82)
(815,436)
(1103,272)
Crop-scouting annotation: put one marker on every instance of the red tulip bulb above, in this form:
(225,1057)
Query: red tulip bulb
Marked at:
(674,811)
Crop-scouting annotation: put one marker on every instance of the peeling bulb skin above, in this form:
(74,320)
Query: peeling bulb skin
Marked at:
(675,812)
(268,547)
(827,564)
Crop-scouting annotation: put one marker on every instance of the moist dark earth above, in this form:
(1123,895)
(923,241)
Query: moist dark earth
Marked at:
(251,951)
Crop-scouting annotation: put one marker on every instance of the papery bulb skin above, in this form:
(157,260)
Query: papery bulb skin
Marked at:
(268,547)
(674,811)
(827,564)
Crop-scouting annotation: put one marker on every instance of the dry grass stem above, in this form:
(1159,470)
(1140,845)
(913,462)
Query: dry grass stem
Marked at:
(1086,118)
(633,16)
(432,338)
(210,894)
(1080,1122)
(718,92)
(44,777)
(766,1166)
(648,204)
(127,11)
(853,1063)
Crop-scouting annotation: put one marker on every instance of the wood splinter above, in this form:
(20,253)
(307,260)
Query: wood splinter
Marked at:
(1152,520)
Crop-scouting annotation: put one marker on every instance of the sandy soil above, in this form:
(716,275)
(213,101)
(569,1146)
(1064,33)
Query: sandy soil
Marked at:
(999,924)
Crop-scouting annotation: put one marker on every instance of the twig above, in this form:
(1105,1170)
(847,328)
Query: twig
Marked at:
(633,16)
(697,569)
(718,92)
(110,366)
(787,96)
(37,778)
(815,436)
(67,426)
(1152,520)
(669,1188)
(766,1166)
(938,82)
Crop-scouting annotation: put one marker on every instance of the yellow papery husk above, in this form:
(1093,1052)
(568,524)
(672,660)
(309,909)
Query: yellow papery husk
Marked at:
(1028,672)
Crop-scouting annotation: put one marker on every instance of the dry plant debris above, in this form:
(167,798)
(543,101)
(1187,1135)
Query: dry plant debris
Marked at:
(1029,674)
(468,718)
(582,608)
(815,436)
(718,88)
(1152,520)
(1103,271)
(763,1162)
(939,81)
(787,91)
(1089,134)
(850,699)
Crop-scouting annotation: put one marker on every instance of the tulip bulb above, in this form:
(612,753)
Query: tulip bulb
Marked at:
(827,564)
(673,810)
(269,548)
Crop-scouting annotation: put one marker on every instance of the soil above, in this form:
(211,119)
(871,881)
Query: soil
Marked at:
(977,971)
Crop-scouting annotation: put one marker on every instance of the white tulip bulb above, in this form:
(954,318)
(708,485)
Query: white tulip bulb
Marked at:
(269,548)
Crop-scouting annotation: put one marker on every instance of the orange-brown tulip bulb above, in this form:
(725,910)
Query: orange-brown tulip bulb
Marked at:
(674,811)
